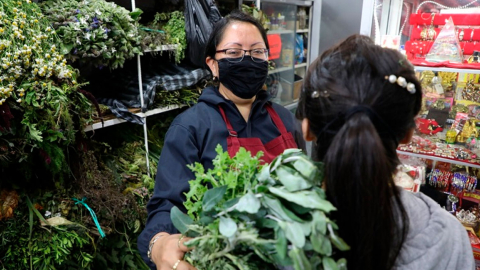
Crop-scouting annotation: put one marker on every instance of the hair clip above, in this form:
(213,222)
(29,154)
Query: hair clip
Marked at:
(402,82)
(316,94)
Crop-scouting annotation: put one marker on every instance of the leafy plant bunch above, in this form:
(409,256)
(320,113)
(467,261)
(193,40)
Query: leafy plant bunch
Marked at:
(259,217)
(95,32)
(40,104)
(30,59)
(166,29)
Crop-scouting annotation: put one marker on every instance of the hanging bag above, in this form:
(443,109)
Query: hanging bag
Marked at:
(200,15)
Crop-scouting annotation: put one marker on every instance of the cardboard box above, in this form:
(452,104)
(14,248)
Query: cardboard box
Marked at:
(297,87)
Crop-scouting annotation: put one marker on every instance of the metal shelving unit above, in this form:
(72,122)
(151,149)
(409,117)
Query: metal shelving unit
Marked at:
(168,47)
(442,159)
(281,69)
(143,115)
(292,31)
(462,70)
(301,65)
(116,121)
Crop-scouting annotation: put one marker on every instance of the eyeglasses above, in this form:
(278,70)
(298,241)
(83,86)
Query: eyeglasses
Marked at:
(236,55)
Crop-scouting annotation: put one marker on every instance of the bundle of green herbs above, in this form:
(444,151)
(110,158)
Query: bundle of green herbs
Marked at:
(166,29)
(257,216)
(95,32)
(41,104)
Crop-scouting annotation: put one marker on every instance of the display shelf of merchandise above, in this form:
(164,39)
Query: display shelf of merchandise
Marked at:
(300,65)
(280,31)
(442,159)
(281,69)
(167,47)
(302,30)
(116,121)
(470,71)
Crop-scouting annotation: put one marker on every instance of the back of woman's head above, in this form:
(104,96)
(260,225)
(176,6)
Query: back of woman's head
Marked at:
(358,117)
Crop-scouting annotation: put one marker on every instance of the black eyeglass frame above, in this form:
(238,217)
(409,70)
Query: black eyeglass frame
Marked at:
(265,51)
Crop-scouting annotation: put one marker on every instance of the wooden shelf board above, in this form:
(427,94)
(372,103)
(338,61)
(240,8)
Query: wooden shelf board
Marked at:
(111,120)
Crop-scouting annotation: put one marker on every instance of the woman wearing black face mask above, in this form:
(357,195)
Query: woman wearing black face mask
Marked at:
(235,114)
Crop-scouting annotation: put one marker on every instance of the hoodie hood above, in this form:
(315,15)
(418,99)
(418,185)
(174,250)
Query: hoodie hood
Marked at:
(435,239)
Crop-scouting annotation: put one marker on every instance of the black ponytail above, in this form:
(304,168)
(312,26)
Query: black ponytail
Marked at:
(358,173)
(358,118)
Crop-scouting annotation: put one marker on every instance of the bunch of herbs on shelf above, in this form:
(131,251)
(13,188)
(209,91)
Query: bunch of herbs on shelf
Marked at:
(95,32)
(178,97)
(166,29)
(259,217)
(41,106)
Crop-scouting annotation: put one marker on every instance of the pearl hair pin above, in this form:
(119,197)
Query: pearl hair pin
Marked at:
(402,82)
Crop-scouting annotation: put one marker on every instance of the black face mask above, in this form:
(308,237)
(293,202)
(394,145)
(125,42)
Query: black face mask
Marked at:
(245,79)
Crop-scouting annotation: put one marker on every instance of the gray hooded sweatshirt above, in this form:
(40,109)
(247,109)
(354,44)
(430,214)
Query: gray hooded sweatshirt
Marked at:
(436,239)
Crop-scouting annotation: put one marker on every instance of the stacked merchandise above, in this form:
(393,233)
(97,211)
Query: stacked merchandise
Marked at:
(444,40)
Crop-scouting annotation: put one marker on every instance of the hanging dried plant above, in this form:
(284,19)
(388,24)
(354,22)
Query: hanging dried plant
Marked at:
(8,203)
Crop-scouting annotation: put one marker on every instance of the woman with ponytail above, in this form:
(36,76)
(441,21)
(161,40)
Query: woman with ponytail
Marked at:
(359,102)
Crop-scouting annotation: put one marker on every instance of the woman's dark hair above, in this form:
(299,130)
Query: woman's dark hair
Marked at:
(219,28)
(358,117)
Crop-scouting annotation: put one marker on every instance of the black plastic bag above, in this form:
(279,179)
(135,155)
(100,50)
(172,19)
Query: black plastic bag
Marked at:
(200,15)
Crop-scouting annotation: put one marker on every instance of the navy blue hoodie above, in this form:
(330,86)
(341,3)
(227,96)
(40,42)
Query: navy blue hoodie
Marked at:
(192,137)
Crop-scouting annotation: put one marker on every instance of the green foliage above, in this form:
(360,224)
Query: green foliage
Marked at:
(119,251)
(257,14)
(166,29)
(259,217)
(178,97)
(237,174)
(26,245)
(94,32)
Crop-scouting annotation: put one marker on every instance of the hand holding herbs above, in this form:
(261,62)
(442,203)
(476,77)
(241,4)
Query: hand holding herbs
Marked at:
(259,217)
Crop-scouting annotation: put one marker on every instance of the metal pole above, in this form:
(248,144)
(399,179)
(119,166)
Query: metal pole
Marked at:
(140,88)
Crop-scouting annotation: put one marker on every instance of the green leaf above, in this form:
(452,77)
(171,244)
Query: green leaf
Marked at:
(292,151)
(266,223)
(205,220)
(307,168)
(65,48)
(321,243)
(136,14)
(230,203)
(227,227)
(293,233)
(281,244)
(264,174)
(300,261)
(297,209)
(306,227)
(319,222)
(291,179)
(248,203)
(35,134)
(329,264)
(342,264)
(336,240)
(180,220)
(276,208)
(29,96)
(212,197)
(316,262)
(306,198)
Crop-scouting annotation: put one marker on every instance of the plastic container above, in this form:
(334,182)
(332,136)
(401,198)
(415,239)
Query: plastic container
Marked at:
(281,21)
(302,18)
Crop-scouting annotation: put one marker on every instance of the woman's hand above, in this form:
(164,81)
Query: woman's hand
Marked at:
(168,252)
